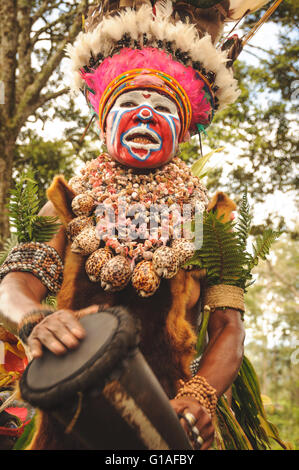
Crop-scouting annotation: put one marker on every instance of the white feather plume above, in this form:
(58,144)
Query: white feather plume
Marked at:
(163,8)
(184,36)
(239,7)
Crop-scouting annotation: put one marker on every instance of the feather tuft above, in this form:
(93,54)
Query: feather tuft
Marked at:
(163,9)
(240,8)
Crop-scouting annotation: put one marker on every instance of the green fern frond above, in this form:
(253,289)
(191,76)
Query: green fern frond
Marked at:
(244,221)
(44,228)
(263,245)
(23,206)
(221,253)
(9,244)
(23,212)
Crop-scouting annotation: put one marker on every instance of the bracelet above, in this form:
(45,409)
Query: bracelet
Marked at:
(29,321)
(39,259)
(223,296)
(201,390)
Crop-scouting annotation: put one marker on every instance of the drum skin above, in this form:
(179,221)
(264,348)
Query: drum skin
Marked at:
(104,394)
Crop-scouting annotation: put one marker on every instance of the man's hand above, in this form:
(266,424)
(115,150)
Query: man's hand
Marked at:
(59,332)
(203,419)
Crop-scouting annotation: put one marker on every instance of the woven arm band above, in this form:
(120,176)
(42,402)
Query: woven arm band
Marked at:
(29,321)
(222,295)
(201,390)
(39,259)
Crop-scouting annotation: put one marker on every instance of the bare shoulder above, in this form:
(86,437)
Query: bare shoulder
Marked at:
(59,240)
(48,210)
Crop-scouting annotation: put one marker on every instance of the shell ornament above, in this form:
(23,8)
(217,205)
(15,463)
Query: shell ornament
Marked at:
(143,247)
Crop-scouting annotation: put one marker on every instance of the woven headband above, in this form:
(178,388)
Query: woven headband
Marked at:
(126,81)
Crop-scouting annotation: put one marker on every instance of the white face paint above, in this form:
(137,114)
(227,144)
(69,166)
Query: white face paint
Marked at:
(143,126)
(158,102)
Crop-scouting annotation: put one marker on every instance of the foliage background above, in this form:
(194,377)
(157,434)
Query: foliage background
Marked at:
(41,126)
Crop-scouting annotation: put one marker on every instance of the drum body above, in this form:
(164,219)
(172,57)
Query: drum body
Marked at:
(104,393)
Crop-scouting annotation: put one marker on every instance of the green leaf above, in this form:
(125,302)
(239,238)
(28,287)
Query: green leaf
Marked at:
(23,212)
(9,244)
(223,253)
(244,221)
(262,247)
(229,429)
(51,301)
(249,409)
(202,335)
(198,167)
(26,436)
(44,228)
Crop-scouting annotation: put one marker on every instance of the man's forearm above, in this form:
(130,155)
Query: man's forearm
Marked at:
(17,298)
(222,358)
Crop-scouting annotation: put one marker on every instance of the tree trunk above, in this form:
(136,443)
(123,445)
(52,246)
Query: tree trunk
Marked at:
(21,87)
(7,148)
(8,56)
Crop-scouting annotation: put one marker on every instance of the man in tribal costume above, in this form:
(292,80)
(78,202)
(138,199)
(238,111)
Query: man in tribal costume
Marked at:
(152,76)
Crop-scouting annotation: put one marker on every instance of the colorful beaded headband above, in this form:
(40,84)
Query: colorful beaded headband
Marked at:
(126,81)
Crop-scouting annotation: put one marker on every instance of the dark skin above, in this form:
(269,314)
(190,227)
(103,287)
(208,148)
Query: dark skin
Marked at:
(21,293)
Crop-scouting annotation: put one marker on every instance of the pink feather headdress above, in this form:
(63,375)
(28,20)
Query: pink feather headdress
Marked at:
(177,38)
(151,58)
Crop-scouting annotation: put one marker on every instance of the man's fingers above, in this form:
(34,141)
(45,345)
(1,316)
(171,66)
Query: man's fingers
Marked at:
(47,339)
(205,429)
(87,311)
(72,324)
(195,420)
(207,434)
(65,332)
(35,347)
(185,425)
(59,331)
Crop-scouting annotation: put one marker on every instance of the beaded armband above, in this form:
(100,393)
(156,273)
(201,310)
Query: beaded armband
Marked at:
(30,321)
(40,259)
(201,390)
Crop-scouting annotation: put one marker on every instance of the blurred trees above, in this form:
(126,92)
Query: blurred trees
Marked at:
(33,36)
(261,128)
(272,343)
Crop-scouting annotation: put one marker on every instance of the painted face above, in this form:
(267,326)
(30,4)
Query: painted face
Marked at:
(142,129)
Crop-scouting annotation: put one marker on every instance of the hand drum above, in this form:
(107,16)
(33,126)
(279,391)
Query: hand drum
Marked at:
(104,392)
